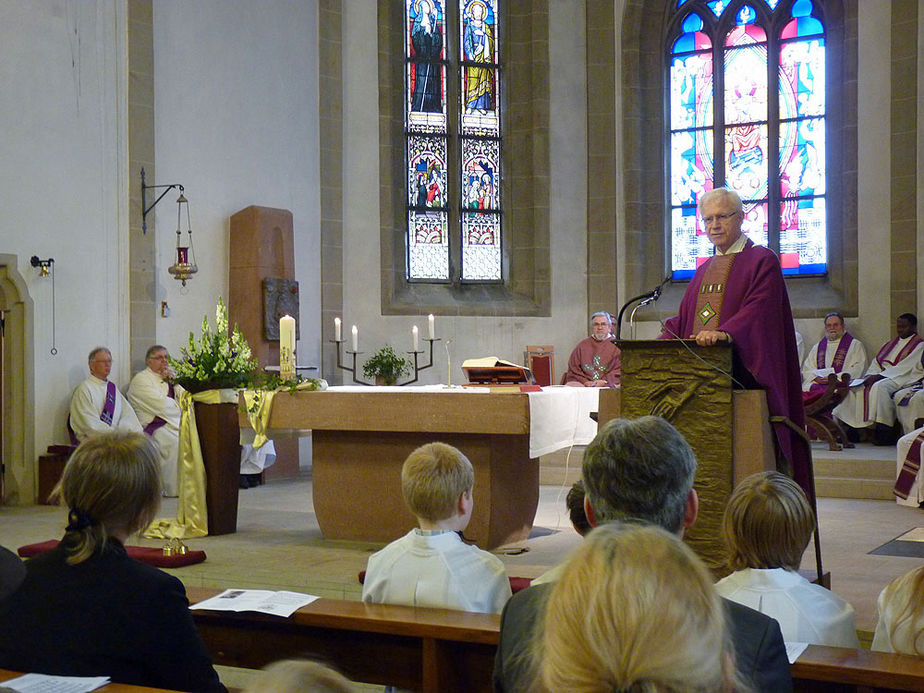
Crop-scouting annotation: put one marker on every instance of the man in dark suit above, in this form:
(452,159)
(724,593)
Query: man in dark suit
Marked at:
(641,470)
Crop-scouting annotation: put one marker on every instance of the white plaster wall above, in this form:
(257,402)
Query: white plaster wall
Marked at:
(62,190)
(236,122)
(504,337)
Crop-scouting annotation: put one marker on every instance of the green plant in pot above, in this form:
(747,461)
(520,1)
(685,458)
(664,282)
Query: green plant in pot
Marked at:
(386,366)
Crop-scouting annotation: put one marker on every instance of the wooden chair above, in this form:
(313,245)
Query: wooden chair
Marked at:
(540,359)
(818,413)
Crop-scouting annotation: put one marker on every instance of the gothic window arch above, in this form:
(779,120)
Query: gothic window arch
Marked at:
(747,107)
(453,144)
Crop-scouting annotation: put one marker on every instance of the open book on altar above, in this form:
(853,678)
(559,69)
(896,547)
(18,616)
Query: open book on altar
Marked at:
(490,369)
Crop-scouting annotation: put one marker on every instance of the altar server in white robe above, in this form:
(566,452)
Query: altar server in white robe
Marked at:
(840,353)
(892,369)
(154,400)
(97,405)
(908,488)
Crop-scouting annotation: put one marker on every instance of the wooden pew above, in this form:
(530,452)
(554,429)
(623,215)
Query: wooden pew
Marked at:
(442,650)
(841,670)
(6,675)
(417,649)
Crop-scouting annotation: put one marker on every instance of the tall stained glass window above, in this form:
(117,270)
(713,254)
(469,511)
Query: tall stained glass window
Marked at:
(453,143)
(747,81)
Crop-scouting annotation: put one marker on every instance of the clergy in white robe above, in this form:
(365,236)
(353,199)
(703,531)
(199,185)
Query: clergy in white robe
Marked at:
(908,490)
(839,353)
(909,402)
(97,405)
(892,369)
(154,401)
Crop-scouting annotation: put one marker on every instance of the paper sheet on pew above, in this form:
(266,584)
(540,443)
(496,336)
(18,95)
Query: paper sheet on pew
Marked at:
(280,603)
(42,683)
(794,649)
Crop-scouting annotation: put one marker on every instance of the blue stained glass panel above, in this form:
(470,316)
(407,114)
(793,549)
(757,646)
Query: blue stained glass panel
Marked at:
(717,6)
(478,31)
(691,166)
(691,91)
(746,84)
(802,27)
(746,160)
(690,246)
(802,78)
(746,15)
(426,171)
(802,157)
(803,236)
(755,223)
(481,179)
(426,78)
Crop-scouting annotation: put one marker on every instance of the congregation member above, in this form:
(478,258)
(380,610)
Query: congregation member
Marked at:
(97,405)
(431,565)
(12,572)
(640,470)
(870,404)
(900,627)
(298,675)
(767,526)
(574,502)
(595,361)
(838,352)
(153,398)
(85,608)
(738,296)
(635,610)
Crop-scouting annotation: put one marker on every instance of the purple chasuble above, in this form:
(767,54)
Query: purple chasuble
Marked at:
(757,315)
(593,360)
(109,407)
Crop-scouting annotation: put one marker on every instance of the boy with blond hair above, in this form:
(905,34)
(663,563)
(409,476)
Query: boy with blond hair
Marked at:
(430,565)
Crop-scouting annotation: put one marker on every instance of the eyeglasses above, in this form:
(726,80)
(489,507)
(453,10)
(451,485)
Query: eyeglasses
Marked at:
(718,217)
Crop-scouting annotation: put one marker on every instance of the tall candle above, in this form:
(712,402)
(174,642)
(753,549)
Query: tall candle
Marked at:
(414,336)
(336,329)
(287,347)
(430,325)
(355,339)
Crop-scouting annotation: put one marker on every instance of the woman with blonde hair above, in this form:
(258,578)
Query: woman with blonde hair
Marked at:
(901,615)
(296,675)
(85,608)
(635,611)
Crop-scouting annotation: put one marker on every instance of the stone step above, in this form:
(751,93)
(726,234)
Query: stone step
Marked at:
(854,468)
(841,487)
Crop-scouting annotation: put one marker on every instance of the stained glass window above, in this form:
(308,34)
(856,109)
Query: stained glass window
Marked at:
(453,142)
(764,111)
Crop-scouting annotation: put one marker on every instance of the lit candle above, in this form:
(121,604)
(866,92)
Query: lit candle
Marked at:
(287,347)
(355,339)
(430,325)
(336,329)
(414,335)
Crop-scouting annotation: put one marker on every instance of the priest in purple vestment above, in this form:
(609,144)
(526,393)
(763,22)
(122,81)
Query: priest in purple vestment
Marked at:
(739,296)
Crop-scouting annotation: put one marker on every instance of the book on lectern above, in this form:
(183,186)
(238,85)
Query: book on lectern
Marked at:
(490,369)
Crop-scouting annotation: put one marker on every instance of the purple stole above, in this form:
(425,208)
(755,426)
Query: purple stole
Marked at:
(881,359)
(839,356)
(712,292)
(910,469)
(109,407)
(158,422)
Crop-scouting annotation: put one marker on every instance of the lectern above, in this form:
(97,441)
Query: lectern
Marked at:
(691,386)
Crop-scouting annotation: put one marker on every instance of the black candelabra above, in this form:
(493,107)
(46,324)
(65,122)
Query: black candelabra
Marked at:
(354,354)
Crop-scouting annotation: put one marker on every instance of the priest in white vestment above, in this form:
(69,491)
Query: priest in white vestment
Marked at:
(908,489)
(893,368)
(154,400)
(837,352)
(97,405)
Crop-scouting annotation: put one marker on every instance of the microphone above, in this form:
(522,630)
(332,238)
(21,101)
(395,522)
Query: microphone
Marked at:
(645,299)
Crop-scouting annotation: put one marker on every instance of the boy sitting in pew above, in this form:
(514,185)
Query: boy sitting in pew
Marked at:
(431,566)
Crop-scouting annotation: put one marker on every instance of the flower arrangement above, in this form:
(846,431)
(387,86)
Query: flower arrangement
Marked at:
(219,359)
(387,365)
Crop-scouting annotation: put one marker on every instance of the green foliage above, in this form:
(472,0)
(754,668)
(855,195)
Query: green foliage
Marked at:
(386,364)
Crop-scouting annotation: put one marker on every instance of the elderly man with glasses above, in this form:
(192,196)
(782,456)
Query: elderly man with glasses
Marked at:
(739,296)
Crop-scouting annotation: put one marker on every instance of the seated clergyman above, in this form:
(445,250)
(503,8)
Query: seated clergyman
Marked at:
(595,361)
(97,405)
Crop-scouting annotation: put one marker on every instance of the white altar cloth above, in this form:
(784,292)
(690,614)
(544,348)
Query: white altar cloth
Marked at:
(559,416)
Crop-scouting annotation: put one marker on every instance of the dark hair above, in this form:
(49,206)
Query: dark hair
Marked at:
(910,317)
(640,469)
(575,504)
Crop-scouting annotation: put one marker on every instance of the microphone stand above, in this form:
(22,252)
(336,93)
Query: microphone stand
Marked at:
(643,299)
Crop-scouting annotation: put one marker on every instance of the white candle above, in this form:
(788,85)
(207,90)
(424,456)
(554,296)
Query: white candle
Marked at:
(430,325)
(336,329)
(287,346)
(414,336)
(355,339)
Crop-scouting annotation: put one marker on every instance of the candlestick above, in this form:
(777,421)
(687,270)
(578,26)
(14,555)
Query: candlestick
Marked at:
(287,347)
(355,339)
(336,329)
(430,325)
(414,336)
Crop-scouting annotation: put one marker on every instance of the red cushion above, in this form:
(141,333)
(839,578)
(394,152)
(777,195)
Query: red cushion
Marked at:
(145,554)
